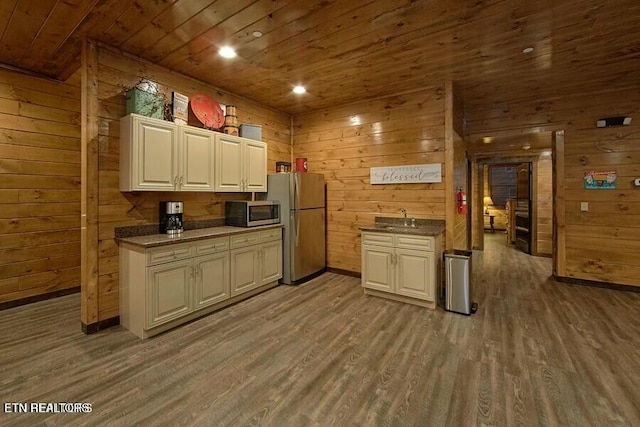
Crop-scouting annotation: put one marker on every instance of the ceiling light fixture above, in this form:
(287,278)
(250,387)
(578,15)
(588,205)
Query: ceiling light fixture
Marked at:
(487,139)
(257,34)
(527,50)
(227,52)
(526,147)
(299,89)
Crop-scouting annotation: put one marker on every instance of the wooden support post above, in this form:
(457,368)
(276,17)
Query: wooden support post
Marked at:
(89,187)
(559,214)
(449,175)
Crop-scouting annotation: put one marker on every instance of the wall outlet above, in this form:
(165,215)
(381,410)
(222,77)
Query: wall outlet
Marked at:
(584,206)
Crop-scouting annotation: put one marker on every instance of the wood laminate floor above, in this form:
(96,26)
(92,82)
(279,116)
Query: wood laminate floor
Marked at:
(537,352)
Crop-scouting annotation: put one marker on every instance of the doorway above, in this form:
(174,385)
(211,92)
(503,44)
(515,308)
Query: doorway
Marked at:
(510,192)
(507,201)
(523,213)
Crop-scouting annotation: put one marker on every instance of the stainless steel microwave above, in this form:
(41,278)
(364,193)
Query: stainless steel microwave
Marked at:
(245,213)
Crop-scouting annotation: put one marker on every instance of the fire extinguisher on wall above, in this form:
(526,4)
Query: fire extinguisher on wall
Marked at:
(461,198)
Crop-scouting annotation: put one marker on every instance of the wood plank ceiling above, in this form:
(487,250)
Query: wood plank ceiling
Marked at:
(343,50)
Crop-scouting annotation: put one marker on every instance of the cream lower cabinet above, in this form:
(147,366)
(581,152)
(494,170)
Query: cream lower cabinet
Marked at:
(169,291)
(211,279)
(162,287)
(401,267)
(256,259)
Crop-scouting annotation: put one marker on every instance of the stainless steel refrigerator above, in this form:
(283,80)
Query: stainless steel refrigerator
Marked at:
(302,209)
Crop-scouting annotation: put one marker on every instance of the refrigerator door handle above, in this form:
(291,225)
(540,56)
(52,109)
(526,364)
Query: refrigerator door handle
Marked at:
(296,219)
(296,189)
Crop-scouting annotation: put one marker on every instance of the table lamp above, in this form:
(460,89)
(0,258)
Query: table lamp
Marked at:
(487,201)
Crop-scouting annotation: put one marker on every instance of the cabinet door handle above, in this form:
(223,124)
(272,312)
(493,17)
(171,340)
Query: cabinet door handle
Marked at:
(193,273)
(181,181)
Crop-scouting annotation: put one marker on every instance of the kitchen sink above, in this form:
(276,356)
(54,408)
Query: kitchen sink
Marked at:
(398,227)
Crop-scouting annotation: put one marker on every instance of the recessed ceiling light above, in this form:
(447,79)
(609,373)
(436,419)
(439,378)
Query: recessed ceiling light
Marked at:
(527,50)
(227,52)
(526,147)
(257,34)
(299,89)
(487,139)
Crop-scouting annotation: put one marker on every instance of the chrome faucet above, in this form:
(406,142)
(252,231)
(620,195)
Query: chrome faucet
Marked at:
(404,213)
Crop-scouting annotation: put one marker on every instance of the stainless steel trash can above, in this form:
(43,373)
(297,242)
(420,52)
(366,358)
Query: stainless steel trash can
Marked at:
(457,273)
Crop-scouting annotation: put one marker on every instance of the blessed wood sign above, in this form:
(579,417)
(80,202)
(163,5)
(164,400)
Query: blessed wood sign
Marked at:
(406,174)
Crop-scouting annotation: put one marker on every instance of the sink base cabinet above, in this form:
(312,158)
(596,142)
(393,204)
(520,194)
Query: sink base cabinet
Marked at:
(163,287)
(401,267)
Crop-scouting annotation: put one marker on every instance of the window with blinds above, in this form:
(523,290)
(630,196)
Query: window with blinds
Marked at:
(502,184)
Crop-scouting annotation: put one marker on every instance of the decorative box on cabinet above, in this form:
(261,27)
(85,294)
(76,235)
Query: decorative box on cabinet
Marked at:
(164,286)
(401,267)
(240,164)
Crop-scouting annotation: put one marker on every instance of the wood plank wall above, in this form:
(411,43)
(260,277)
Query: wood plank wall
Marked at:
(116,209)
(39,186)
(601,244)
(456,166)
(544,205)
(345,141)
(460,181)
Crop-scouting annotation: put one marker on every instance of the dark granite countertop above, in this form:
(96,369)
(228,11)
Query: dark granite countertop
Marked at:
(420,227)
(152,240)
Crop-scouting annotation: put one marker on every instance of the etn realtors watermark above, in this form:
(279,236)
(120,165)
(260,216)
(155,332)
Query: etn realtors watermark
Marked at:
(47,407)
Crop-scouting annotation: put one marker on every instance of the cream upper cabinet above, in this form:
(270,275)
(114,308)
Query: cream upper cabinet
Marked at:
(228,163)
(157,155)
(240,164)
(196,159)
(401,266)
(255,164)
(148,154)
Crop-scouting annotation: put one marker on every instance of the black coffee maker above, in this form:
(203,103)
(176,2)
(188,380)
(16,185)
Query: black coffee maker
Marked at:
(171,217)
